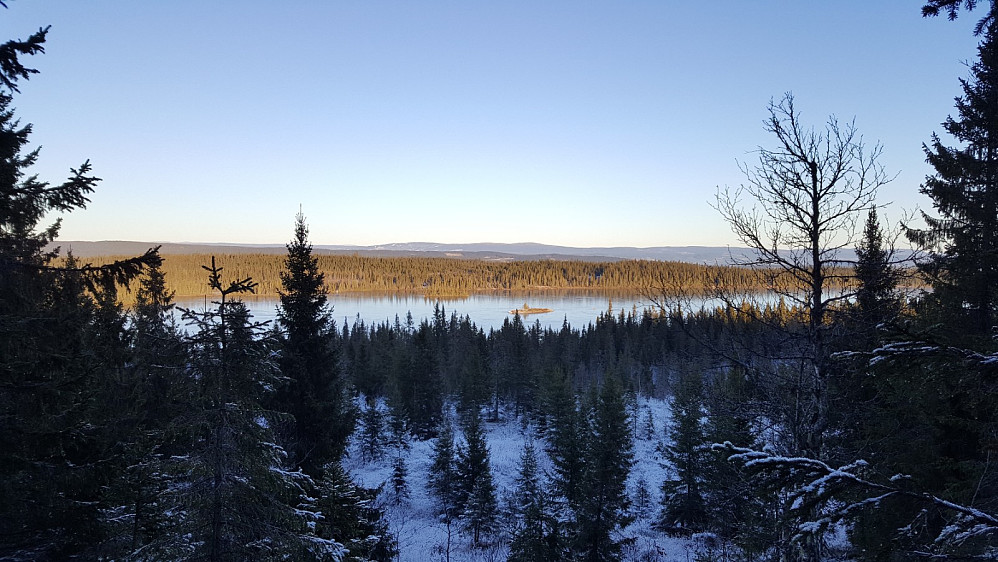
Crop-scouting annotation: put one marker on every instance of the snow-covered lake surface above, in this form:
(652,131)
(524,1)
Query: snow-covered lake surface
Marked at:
(421,536)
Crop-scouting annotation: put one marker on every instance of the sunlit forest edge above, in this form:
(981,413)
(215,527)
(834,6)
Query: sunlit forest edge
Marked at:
(455,278)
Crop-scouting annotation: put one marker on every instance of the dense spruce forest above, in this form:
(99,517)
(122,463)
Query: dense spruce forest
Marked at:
(455,277)
(849,419)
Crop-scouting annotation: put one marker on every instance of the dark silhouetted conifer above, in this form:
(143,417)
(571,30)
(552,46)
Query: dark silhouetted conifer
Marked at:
(877,301)
(400,444)
(443,481)
(314,393)
(963,264)
(416,382)
(54,433)
(536,535)
(603,505)
(238,499)
(683,508)
(349,517)
(477,493)
(566,440)
(155,392)
(371,434)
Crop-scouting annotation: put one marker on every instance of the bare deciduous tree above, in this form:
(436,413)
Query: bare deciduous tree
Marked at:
(808,196)
(802,204)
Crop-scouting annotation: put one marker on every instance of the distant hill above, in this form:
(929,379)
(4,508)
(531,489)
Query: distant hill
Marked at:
(480,250)
(690,254)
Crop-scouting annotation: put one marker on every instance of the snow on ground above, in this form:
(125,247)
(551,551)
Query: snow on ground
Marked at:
(423,537)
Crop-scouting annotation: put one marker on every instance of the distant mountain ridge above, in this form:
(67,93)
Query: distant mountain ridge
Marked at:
(477,250)
(691,254)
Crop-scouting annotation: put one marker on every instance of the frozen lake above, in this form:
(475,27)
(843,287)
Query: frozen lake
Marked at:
(485,310)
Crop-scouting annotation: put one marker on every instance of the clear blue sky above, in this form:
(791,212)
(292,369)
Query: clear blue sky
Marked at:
(573,123)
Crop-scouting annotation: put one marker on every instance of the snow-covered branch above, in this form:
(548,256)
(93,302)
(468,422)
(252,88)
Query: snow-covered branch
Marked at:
(812,483)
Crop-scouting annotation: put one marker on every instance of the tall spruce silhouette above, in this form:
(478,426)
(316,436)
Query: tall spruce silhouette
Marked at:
(963,264)
(314,390)
(238,500)
(53,431)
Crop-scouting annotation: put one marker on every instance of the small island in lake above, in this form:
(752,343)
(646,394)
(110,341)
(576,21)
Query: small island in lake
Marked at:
(529,310)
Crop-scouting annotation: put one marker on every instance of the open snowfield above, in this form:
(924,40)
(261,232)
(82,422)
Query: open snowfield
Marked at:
(422,536)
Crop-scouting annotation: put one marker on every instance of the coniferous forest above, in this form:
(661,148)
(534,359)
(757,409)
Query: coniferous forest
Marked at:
(845,416)
(456,277)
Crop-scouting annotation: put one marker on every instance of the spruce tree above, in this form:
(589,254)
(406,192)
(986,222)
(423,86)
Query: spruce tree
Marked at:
(566,440)
(53,431)
(874,319)
(933,8)
(49,439)
(876,298)
(400,474)
(931,404)
(416,384)
(648,427)
(314,395)
(603,506)
(962,240)
(152,395)
(467,364)
(372,423)
(513,377)
(158,357)
(443,481)
(238,500)
(737,509)
(528,483)
(683,506)
(642,501)
(477,493)
(349,517)
(536,536)
(400,442)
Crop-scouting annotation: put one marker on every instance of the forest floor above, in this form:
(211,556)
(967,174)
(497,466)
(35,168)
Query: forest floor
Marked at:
(422,536)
